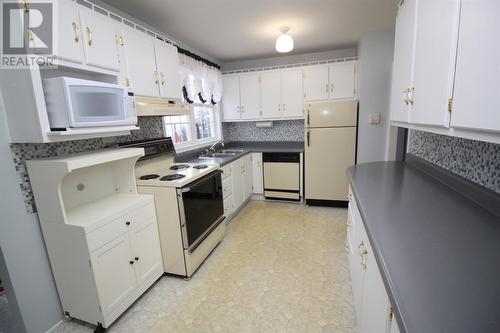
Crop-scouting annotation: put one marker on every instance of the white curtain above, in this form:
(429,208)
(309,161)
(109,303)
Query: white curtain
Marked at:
(199,78)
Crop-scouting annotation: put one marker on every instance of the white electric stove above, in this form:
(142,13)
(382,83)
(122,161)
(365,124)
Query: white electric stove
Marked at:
(188,202)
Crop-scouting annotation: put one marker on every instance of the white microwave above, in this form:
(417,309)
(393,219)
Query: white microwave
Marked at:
(82,103)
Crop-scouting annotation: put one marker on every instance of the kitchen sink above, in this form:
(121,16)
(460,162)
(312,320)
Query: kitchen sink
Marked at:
(223,154)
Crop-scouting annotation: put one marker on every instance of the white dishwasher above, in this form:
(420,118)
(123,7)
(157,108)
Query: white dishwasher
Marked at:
(281,176)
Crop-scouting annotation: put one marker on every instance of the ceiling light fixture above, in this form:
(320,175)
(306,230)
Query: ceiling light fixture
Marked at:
(284,43)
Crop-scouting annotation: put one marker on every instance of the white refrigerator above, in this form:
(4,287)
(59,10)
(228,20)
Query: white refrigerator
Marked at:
(330,148)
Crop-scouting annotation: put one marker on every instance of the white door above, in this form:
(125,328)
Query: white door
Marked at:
(99,40)
(69,34)
(257,173)
(231,98)
(292,98)
(113,266)
(238,189)
(402,68)
(249,96)
(140,53)
(167,60)
(328,153)
(270,95)
(316,84)
(247,176)
(146,250)
(342,80)
(437,30)
(375,303)
(477,78)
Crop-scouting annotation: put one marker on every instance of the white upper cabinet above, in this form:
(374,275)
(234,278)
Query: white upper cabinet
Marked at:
(446,68)
(249,96)
(435,50)
(404,55)
(167,60)
(270,94)
(231,97)
(69,34)
(316,83)
(292,101)
(99,40)
(122,57)
(477,78)
(342,80)
(140,53)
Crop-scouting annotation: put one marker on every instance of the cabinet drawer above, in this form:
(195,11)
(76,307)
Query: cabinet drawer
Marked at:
(117,227)
(228,206)
(226,171)
(227,187)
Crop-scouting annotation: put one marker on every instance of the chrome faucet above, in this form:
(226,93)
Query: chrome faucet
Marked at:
(209,151)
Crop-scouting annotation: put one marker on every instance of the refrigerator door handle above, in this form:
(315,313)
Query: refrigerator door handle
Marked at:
(308,138)
(308,117)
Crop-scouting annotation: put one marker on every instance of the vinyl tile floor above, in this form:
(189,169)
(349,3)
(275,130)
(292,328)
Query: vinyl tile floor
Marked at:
(280,268)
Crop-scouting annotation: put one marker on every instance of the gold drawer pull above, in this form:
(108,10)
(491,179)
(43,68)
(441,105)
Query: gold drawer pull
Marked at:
(77,32)
(89,33)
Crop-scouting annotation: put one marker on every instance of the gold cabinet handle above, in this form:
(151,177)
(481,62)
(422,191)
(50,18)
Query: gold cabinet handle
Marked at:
(26,6)
(406,99)
(156,77)
(349,196)
(89,34)
(162,78)
(349,224)
(331,87)
(326,87)
(411,90)
(30,34)
(77,32)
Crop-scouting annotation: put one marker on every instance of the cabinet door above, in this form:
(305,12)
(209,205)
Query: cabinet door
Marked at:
(140,53)
(316,85)
(167,60)
(342,80)
(402,68)
(247,176)
(292,98)
(238,190)
(373,318)
(355,268)
(99,40)
(270,99)
(258,187)
(231,98)
(249,96)
(69,34)
(146,250)
(477,78)
(437,30)
(114,272)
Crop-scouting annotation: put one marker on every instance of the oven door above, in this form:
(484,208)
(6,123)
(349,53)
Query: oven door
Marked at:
(201,209)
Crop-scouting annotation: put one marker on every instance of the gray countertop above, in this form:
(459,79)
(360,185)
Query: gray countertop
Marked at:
(248,147)
(437,250)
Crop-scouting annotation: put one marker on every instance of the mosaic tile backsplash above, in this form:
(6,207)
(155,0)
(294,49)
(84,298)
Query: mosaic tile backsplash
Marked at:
(283,130)
(476,161)
(151,127)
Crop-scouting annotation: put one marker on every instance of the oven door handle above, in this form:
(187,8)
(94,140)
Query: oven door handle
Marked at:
(198,182)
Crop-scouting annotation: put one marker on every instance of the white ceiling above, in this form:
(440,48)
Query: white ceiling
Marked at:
(229,30)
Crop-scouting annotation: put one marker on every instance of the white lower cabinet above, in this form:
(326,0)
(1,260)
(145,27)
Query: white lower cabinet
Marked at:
(258,184)
(373,310)
(237,183)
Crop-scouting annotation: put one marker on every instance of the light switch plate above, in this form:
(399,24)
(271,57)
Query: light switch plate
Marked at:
(374,118)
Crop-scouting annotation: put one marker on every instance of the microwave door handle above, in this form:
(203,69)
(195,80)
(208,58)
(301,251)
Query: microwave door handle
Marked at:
(193,185)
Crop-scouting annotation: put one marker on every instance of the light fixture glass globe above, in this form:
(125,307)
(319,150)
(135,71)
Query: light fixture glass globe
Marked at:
(284,43)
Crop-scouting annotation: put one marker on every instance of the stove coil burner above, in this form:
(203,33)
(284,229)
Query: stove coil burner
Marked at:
(148,177)
(172,177)
(179,167)
(200,166)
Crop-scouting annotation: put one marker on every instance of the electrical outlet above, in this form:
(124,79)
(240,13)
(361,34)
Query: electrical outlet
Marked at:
(374,118)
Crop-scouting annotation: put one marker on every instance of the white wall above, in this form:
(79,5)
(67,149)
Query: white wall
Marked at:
(289,59)
(375,70)
(23,248)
